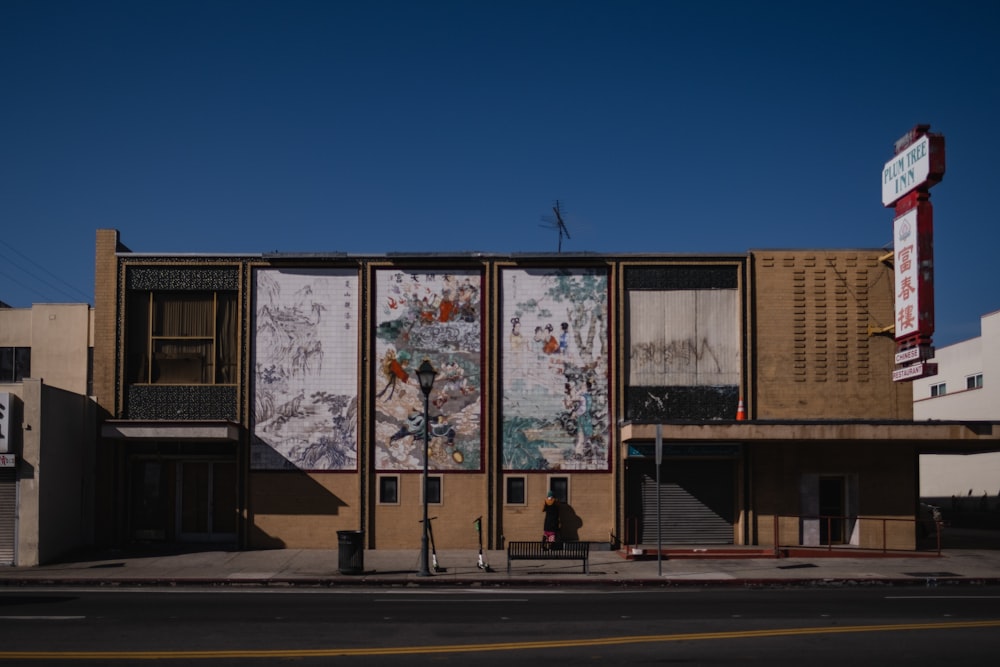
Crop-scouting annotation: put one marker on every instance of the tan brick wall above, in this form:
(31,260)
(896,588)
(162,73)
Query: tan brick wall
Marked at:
(297,510)
(815,358)
(463,498)
(105,315)
(105,306)
(587,516)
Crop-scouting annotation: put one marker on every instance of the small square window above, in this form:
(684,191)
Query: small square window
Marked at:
(939,389)
(515,491)
(559,486)
(974,381)
(388,490)
(434,490)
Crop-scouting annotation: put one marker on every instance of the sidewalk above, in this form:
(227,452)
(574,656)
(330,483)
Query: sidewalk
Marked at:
(320,568)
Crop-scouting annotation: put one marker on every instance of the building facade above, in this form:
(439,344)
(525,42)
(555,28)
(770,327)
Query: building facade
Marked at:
(47,432)
(965,388)
(271,400)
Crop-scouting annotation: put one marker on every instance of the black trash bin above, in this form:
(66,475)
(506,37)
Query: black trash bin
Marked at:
(352,551)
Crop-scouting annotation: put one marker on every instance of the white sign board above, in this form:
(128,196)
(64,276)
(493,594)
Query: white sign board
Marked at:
(922,353)
(5,417)
(7,460)
(904,235)
(906,171)
(921,369)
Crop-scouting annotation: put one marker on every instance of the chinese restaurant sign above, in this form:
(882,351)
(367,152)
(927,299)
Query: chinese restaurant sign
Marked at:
(919,164)
(906,179)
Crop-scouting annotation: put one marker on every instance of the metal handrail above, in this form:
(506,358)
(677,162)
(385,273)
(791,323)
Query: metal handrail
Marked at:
(830,519)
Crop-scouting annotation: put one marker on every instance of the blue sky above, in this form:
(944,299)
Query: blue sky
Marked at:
(373,127)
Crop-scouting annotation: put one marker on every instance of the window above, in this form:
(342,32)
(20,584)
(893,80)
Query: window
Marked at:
(181,337)
(974,381)
(939,389)
(514,491)
(388,489)
(15,363)
(434,490)
(560,487)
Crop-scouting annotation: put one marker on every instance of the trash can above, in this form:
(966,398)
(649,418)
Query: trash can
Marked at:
(351,545)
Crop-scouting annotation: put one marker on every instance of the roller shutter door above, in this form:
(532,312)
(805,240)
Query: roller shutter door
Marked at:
(8,514)
(696,503)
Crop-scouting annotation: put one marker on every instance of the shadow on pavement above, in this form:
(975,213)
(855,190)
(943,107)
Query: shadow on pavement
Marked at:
(970,538)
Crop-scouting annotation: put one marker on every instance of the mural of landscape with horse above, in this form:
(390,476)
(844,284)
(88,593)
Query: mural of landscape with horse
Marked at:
(305,344)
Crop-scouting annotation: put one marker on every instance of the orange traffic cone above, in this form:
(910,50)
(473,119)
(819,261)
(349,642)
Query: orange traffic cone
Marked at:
(741,414)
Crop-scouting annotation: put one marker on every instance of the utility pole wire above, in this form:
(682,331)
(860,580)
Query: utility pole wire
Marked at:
(74,293)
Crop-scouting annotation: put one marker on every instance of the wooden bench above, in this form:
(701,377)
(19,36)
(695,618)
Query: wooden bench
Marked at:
(539,550)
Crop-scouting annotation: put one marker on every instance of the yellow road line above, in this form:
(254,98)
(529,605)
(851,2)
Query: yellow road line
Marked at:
(478,648)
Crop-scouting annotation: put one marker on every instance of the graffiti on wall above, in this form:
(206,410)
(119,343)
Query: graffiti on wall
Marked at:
(684,354)
(305,351)
(555,370)
(438,317)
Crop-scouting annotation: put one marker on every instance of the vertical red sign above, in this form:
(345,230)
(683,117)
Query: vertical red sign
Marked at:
(906,180)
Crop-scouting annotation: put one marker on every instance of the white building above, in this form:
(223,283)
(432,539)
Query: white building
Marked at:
(47,432)
(967,387)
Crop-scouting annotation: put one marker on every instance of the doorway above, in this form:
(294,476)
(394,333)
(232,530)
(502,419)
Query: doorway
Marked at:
(178,500)
(832,509)
(206,498)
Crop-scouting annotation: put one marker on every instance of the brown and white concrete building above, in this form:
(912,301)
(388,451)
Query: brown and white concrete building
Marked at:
(271,400)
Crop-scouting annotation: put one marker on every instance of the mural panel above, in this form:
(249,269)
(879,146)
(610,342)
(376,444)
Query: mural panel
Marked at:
(305,355)
(684,354)
(436,316)
(555,370)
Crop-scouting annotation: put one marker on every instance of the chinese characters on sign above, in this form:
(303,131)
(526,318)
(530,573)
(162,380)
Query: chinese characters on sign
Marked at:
(907,260)
(906,179)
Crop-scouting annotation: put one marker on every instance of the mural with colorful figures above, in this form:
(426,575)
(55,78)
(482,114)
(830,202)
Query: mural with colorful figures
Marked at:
(555,370)
(305,346)
(434,316)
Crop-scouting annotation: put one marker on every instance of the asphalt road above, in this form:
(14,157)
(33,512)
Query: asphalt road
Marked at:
(401,626)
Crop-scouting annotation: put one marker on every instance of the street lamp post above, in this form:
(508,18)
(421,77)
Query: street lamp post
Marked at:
(426,375)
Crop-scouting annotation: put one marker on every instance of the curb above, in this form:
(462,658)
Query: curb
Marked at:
(390,582)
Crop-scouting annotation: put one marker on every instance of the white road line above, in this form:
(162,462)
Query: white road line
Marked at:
(42,618)
(942,597)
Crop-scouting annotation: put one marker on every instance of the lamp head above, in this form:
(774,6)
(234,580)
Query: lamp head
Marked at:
(426,375)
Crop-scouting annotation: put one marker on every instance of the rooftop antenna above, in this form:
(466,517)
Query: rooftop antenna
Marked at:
(557,223)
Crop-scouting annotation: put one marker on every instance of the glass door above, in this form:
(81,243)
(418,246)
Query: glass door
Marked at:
(149,500)
(206,501)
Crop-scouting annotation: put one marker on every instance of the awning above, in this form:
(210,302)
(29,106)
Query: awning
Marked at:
(927,437)
(201,431)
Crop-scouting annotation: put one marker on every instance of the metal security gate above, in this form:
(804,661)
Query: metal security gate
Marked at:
(697,503)
(8,515)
